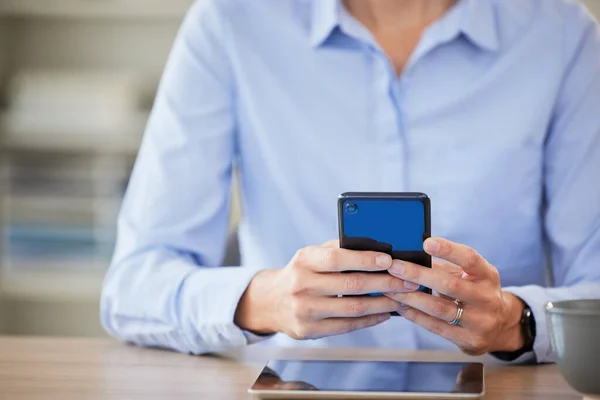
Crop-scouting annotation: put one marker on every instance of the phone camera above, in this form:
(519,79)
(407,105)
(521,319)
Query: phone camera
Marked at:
(351,208)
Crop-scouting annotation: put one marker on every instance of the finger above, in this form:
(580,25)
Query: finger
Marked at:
(358,283)
(449,268)
(332,243)
(435,279)
(454,333)
(446,267)
(340,326)
(437,307)
(331,259)
(464,256)
(341,307)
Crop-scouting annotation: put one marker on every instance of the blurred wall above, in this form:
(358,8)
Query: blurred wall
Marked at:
(137,46)
(594,6)
(3,54)
(60,183)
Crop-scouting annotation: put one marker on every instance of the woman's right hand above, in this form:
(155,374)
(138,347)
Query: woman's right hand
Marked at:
(301,300)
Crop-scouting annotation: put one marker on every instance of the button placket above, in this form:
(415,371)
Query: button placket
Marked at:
(387,125)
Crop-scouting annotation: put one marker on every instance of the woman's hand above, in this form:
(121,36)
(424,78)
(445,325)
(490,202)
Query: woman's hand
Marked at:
(490,319)
(301,300)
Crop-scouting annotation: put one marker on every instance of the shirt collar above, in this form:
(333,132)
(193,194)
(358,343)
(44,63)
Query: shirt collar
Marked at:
(478,22)
(325,18)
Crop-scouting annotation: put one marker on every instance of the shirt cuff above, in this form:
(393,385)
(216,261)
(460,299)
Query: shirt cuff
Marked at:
(209,298)
(252,338)
(536,298)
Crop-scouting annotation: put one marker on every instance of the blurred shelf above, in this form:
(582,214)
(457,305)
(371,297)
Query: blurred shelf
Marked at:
(123,139)
(22,169)
(53,203)
(37,283)
(110,9)
(72,143)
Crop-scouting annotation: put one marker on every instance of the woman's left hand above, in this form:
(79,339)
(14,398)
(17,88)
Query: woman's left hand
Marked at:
(490,318)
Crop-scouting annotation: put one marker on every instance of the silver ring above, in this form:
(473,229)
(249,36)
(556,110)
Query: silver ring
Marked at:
(459,313)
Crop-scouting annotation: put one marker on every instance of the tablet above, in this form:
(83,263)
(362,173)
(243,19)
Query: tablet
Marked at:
(303,379)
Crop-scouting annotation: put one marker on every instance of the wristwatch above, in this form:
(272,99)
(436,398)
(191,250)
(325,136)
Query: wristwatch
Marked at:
(528,330)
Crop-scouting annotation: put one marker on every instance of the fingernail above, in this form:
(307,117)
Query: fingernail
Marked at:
(401,310)
(397,267)
(431,246)
(383,261)
(383,317)
(411,286)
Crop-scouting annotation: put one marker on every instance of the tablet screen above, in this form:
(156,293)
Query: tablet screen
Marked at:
(371,376)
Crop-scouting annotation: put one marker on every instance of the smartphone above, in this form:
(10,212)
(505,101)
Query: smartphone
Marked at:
(392,223)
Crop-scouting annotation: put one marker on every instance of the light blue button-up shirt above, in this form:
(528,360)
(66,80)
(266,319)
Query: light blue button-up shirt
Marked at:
(496,117)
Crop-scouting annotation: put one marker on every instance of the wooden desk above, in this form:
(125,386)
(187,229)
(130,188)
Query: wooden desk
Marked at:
(64,369)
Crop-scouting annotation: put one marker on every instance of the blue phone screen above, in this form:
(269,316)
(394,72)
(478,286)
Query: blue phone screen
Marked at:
(393,226)
(395,223)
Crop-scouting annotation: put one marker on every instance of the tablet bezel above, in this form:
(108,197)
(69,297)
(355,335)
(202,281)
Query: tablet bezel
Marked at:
(303,394)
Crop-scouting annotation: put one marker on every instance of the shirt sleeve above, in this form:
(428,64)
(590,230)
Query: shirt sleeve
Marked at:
(572,184)
(165,287)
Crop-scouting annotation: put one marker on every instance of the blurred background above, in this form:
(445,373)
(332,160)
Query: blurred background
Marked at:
(77,82)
